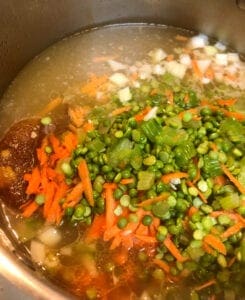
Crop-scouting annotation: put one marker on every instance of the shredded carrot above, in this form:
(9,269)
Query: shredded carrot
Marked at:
(70,141)
(209,73)
(181,38)
(85,177)
(208,249)
(238,185)
(111,231)
(170,96)
(116,242)
(50,106)
(74,196)
(120,110)
(33,182)
(134,76)
(200,194)
(196,69)
(168,243)
(30,209)
(168,177)
(150,201)
(121,256)
(234,216)
(88,126)
(232,230)
(192,210)
(77,114)
(170,57)
(215,243)
(220,180)
(92,86)
(126,181)
(110,206)
(140,116)
(96,229)
(231,261)
(205,285)
(146,239)
(233,114)
(153,92)
(142,230)
(162,264)
(198,176)
(49,197)
(99,59)
(226,102)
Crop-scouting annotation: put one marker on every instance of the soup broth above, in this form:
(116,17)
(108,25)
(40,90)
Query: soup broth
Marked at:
(123,176)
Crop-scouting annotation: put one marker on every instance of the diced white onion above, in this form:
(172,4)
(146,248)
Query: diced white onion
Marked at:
(37,250)
(176,69)
(220,46)
(233,57)
(124,94)
(185,59)
(203,64)
(158,70)
(157,55)
(116,66)
(145,71)
(119,79)
(151,114)
(210,50)
(221,59)
(50,236)
(199,41)
(206,80)
(136,84)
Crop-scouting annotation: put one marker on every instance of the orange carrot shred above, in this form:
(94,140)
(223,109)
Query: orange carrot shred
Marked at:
(50,106)
(146,239)
(74,195)
(168,243)
(196,69)
(96,229)
(238,185)
(30,209)
(170,96)
(120,110)
(34,182)
(215,243)
(85,177)
(168,177)
(162,264)
(126,181)
(227,102)
(232,230)
(140,116)
(205,285)
(150,201)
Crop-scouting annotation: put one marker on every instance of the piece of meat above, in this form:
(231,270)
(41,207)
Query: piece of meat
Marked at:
(17,157)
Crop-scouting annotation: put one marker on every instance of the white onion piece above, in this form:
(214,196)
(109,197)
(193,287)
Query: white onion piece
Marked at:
(210,50)
(119,79)
(50,236)
(185,59)
(221,59)
(206,80)
(220,46)
(233,57)
(116,66)
(151,114)
(124,95)
(158,70)
(176,69)
(199,41)
(38,252)
(157,55)
(145,71)
(203,64)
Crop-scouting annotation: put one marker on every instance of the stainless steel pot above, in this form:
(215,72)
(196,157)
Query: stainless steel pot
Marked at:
(27,27)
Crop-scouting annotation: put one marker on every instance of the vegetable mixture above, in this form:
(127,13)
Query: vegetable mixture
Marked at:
(153,180)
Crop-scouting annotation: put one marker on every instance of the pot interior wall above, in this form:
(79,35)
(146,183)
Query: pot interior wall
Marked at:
(29,27)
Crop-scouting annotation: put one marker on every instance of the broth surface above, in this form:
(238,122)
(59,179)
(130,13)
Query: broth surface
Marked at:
(62,71)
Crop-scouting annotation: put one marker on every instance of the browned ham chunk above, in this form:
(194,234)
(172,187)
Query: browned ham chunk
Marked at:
(17,157)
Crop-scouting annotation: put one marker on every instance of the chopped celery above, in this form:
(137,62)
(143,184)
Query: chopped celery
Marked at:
(173,136)
(120,153)
(151,129)
(145,180)
(230,202)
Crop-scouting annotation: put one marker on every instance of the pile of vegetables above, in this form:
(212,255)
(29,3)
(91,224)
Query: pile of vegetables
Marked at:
(160,165)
